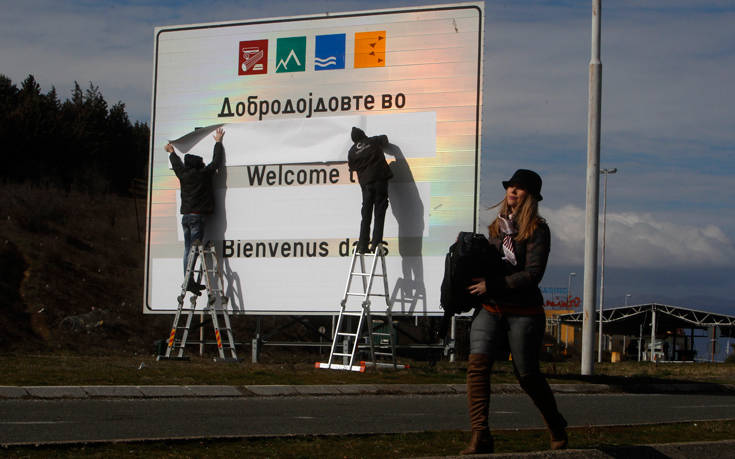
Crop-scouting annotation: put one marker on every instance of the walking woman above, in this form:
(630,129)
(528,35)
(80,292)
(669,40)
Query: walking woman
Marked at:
(513,317)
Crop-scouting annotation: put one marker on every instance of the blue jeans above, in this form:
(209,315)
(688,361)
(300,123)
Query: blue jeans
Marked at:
(495,334)
(193,225)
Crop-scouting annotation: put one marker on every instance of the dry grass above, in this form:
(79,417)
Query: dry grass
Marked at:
(71,369)
(644,372)
(608,439)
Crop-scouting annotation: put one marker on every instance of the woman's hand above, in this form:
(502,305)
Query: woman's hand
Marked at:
(479,288)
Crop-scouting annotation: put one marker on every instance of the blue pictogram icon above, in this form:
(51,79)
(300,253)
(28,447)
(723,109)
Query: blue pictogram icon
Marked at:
(329,52)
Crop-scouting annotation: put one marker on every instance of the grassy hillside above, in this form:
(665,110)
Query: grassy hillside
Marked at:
(72,272)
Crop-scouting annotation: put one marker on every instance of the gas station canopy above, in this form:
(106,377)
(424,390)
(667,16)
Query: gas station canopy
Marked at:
(630,320)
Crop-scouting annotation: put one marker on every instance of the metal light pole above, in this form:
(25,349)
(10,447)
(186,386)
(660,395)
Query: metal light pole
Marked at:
(627,295)
(604,172)
(569,286)
(593,192)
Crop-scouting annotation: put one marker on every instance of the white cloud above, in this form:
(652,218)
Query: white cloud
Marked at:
(640,240)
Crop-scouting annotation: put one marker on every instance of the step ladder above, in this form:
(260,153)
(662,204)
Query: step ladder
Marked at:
(346,339)
(202,263)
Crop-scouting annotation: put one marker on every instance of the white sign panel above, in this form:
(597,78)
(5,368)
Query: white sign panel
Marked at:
(287,92)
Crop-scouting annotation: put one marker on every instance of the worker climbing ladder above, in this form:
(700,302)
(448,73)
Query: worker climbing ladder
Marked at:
(202,264)
(346,339)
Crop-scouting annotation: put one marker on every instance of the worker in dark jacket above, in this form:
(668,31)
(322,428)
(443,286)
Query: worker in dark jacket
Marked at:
(367,159)
(197,193)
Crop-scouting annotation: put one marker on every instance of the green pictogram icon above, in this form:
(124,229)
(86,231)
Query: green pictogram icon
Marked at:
(291,54)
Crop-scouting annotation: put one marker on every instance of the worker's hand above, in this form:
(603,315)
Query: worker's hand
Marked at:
(218,134)
(169,148)
(479,288)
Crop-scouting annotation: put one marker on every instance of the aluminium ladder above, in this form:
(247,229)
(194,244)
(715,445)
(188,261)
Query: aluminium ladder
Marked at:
(202,262)
(350,340)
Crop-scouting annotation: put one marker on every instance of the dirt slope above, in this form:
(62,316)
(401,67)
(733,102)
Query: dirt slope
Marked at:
(72,272)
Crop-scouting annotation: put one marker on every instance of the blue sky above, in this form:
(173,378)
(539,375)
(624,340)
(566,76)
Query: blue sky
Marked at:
(667,116)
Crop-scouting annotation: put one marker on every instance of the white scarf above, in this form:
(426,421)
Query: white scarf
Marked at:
(508,229)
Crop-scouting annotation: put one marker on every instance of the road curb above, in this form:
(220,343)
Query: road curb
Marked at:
(184,391)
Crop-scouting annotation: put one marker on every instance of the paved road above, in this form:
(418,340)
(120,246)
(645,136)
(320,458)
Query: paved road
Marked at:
(42,421)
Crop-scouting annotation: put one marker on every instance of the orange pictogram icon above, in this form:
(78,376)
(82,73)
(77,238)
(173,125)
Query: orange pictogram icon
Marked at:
(370,49)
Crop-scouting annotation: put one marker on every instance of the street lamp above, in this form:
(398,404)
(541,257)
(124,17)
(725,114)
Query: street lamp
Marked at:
(569,287)
(627,295)
(604,172)
(594,104)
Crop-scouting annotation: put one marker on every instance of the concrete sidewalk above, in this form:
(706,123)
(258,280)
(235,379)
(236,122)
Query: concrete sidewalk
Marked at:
(163,391)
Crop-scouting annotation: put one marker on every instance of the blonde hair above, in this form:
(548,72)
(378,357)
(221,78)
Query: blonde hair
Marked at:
(526,218)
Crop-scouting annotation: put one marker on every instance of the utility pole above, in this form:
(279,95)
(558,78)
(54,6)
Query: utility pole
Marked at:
(593,192)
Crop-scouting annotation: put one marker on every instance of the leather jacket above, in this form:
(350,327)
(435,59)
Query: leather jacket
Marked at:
(518,287)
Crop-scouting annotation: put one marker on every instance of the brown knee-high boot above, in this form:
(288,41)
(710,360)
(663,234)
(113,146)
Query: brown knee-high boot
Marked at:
(478,400)
(538,389)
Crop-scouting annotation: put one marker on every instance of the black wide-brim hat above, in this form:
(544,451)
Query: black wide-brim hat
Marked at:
(526,180)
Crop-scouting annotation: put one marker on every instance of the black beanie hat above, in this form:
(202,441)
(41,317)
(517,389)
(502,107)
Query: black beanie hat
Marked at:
(358,134)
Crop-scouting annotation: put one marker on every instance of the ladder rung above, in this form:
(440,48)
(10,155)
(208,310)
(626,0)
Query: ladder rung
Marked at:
(346,334)
(342,354)
(353,314)
(367,274)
